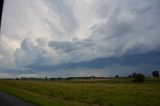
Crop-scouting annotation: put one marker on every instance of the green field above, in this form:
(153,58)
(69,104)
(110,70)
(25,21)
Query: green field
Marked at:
(110,92)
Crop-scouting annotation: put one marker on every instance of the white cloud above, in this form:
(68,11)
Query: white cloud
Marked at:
(51,32)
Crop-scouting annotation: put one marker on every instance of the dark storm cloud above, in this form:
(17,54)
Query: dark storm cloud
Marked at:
(130,60)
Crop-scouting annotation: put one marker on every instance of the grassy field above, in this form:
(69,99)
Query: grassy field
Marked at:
(111,92)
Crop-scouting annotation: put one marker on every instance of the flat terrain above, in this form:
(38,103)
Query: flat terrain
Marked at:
(109,92)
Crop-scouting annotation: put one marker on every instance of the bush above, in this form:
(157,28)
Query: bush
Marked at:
(116,76)
(155,73)
(129,76)
(138,77)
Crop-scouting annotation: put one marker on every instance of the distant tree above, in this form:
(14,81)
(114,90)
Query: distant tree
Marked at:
(130,76)
(46,78)
(138,77)
(52,78)
(134,74)
(23,78)
(17,78)
(155,73)
(116,76)
(94,77)
(59,78)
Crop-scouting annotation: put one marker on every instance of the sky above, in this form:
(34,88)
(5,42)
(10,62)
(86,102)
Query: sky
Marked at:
(65,38)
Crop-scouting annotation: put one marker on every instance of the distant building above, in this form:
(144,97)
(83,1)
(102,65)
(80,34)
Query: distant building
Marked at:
(155,73)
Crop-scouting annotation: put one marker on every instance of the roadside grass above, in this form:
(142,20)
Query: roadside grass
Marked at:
(110,92)
(38,99)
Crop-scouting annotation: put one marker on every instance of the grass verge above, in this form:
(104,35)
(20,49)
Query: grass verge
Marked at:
(37,99)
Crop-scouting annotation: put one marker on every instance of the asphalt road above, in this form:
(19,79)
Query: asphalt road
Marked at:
(9,100)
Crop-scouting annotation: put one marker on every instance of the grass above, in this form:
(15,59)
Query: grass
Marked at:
(111,92)
(38,99)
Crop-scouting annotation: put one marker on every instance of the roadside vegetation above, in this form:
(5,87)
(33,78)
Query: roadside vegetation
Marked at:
(90,92)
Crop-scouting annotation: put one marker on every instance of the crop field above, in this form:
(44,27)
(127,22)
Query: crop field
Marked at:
(109,92)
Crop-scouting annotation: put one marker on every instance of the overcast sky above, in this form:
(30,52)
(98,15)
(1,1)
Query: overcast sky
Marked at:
(63,38)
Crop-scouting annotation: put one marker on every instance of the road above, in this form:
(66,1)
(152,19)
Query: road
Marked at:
(9,100)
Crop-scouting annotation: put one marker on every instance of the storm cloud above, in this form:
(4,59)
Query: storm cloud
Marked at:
(80,37)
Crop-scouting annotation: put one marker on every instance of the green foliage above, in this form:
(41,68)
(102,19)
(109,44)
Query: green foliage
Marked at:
(138,77)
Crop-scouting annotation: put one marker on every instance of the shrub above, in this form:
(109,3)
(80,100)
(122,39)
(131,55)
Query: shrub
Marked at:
(138,77)
(116,76)
(155,73)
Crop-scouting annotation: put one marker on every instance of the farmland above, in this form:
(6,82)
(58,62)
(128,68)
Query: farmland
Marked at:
(108,92)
